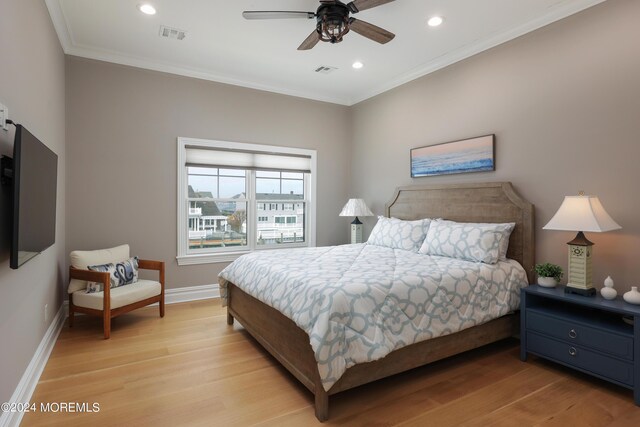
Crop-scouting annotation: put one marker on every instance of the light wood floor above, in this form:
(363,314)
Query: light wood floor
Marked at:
(190,368)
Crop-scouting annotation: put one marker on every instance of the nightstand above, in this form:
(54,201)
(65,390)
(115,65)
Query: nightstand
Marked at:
(583,333)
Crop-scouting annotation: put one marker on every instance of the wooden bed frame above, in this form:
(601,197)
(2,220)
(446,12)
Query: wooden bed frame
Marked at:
(290,345)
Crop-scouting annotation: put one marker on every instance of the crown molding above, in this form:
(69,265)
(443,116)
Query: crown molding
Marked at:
(149,64)
(60,24)
(72,48)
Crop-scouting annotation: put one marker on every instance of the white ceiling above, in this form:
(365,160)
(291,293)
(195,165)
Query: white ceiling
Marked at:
(222,46)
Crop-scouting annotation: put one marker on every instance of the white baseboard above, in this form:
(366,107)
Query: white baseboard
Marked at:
(191,293)
(31,376)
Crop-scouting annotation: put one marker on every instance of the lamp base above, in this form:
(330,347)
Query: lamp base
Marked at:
(356,233)
(580,266)
(589,292)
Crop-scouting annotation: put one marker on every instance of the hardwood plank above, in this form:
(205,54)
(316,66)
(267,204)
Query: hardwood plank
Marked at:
(601,404)
(190,368)
(487,399)
(402,397)
(539,406)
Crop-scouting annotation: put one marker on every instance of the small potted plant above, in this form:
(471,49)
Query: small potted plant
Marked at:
(549,275)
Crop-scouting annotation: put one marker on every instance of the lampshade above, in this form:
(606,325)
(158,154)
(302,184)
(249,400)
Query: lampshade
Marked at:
(582,213)
(356,207)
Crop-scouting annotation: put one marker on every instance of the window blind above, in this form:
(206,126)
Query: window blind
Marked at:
(237,159)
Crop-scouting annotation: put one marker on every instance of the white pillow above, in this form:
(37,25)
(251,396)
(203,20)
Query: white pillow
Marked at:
(398,234)
(479,242)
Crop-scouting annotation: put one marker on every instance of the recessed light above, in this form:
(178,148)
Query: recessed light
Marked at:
(147,9)
(435,21)
(357,65)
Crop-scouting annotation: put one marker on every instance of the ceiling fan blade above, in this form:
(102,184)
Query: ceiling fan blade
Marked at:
(370,31)
(310,41)
(360,5)
(273,14)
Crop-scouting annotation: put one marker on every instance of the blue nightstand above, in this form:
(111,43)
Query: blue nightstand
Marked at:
(584,333)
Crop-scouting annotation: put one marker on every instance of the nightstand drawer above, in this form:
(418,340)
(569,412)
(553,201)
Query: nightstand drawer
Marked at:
(577,333)
(582,358)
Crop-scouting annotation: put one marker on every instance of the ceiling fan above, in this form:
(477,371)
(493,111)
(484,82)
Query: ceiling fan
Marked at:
(333,21)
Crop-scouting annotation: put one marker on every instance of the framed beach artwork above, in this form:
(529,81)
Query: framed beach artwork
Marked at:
(467,155)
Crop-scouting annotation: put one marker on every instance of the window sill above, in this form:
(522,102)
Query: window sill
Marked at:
(209,258)
(222,257)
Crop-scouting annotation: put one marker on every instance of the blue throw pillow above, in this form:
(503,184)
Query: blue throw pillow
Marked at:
(122,273)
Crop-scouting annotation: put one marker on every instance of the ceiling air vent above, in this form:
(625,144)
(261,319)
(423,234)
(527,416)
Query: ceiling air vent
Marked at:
(325,69)
(172,33)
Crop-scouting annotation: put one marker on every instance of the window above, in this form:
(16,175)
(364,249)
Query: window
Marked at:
(217,208)
(281,186)
(234,198)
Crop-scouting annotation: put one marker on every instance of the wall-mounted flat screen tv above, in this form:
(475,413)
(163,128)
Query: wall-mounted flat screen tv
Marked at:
(35,176)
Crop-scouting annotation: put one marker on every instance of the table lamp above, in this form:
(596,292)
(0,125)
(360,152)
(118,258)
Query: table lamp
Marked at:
(581,213)
(356,207)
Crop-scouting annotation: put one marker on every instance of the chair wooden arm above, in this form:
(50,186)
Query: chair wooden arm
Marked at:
(90,276)
(146,264)
(103,277)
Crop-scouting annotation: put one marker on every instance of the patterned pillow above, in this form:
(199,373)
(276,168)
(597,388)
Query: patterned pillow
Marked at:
(398,234)
(122,273)
(479,242)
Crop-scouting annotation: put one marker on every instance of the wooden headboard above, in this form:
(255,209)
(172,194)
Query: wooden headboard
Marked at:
(485,202)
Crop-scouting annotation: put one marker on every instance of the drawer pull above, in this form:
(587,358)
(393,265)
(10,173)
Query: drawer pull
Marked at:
(573,351)
(573,333)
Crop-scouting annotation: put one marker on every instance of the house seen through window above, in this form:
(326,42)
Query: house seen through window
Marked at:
(218,207)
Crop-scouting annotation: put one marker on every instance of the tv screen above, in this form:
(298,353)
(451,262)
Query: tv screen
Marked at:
(35,175)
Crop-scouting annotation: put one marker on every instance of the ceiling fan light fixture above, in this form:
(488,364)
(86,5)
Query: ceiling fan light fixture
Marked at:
(357,65)
(333,23)
(147,9)
(435,21)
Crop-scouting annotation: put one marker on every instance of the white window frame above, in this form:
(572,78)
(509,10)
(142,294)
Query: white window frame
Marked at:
(184,257)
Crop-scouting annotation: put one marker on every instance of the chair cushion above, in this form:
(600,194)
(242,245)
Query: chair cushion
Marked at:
(83,259)
(120,296)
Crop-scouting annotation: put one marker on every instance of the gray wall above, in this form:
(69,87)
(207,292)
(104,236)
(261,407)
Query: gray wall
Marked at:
(564,103)
(122,128)
(32,86)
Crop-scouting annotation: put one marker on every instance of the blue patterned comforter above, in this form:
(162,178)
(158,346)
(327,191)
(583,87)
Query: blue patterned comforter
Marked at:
(359,302)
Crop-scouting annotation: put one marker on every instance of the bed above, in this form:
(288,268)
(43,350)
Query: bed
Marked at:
(294,347)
